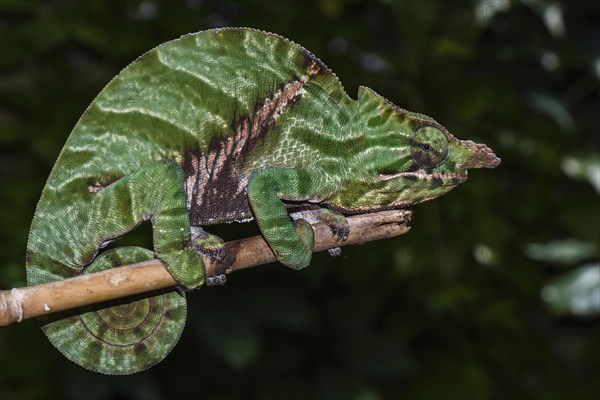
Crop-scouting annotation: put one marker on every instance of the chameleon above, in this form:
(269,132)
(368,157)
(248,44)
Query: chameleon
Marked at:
(219,126)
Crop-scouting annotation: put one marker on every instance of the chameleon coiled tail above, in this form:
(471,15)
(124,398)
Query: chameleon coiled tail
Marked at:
(121,336)
(70,228)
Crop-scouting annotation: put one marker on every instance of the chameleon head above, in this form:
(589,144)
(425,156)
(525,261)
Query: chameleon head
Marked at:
(439,162)
(437,155)
(408,158)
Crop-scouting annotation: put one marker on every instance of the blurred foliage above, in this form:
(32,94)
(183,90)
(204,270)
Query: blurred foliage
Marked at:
(493,294)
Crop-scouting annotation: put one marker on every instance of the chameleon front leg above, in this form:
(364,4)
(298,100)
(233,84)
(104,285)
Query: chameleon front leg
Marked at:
(155,193)
(266,189)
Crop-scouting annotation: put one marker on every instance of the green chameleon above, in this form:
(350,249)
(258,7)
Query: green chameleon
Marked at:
(220,126)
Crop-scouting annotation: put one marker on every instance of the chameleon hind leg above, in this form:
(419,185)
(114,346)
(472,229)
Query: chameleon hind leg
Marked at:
(213,247)
(266,189)
(155,193)
(208,244)
(134,333)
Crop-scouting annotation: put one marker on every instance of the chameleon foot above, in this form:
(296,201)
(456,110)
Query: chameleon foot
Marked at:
(217,280)
(340,231)
(335,252)
(214,254)
(208,244)
(336,222)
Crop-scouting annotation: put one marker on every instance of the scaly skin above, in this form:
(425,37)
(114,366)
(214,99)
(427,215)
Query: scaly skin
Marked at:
(219,126)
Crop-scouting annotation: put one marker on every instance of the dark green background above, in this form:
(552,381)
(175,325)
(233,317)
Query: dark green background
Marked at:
(490,296)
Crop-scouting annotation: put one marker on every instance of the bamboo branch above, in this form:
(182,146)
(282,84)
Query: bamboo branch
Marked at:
(22,303)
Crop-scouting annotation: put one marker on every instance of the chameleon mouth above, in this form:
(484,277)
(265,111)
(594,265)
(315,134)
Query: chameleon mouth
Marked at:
(452,177)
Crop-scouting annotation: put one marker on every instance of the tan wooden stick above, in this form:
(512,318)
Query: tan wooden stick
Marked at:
(22,303)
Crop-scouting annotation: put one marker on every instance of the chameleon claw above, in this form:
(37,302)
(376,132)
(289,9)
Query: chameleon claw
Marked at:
(215,254)
(217,280)
(208,244)
(335,252)
(341,231)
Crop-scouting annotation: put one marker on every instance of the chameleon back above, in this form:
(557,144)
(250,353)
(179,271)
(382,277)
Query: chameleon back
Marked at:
(211,93)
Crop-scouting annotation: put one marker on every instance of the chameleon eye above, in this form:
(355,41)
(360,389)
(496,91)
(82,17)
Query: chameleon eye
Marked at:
(429,147)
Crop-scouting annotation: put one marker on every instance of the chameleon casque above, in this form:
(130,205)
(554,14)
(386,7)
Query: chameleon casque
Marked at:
(220,126)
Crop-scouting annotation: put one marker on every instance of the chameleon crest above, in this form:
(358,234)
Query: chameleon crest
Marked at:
(219,126)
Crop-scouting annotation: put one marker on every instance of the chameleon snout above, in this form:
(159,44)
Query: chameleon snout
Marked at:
(478,155)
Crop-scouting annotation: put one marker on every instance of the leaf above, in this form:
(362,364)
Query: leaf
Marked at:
(583,168)
(553,108)
(576,292)
(568,251)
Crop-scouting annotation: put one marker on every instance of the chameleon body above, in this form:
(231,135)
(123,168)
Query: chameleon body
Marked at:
(219,126)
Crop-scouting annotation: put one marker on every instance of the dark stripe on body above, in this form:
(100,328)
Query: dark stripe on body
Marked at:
(214,183)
